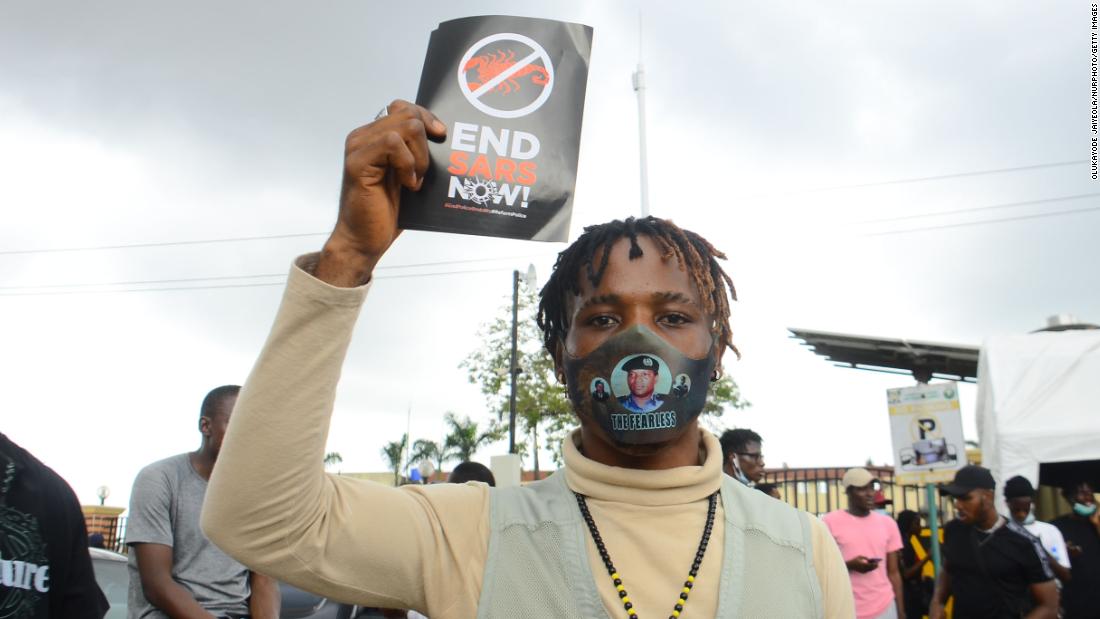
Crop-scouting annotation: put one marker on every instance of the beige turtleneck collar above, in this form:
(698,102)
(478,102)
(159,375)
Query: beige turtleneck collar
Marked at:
(683,484)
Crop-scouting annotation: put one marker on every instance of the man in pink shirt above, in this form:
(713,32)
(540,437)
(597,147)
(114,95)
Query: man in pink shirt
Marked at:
(868,540)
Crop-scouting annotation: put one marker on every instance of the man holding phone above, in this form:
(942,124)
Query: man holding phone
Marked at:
(868,539)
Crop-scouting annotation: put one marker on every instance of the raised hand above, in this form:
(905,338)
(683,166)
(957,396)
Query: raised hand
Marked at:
(379,159)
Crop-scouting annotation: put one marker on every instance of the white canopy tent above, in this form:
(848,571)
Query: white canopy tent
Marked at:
(1038,401)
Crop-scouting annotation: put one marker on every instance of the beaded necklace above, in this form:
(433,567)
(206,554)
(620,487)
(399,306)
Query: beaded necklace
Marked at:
(618,581)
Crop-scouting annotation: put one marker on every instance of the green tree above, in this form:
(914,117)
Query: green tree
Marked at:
(542,406)
(394,453)
(723,394)
(333,457)
(424,449)
(541,403)
(465,437)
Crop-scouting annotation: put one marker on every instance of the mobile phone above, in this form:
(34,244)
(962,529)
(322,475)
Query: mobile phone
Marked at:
(874,560)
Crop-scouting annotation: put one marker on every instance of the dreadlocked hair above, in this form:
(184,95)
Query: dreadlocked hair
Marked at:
(693,253)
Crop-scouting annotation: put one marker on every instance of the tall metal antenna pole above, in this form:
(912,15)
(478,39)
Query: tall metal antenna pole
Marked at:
(639,89)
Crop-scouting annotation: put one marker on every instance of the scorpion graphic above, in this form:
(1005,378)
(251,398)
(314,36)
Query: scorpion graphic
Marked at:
(493,64)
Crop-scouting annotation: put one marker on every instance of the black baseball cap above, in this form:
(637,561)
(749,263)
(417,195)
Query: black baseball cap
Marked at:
(970,477)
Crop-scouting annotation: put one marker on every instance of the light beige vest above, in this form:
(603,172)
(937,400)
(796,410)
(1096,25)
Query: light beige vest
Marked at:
(538,566)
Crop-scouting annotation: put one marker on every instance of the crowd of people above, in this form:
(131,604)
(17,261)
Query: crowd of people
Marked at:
(994,565)
(645,517)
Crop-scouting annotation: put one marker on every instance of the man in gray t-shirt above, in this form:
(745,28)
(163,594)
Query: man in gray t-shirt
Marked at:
(174,569)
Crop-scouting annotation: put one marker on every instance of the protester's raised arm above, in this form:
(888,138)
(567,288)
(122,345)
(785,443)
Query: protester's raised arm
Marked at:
(269,503)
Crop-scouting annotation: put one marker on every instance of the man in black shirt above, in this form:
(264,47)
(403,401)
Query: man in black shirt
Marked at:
(994,567)
(1081,528)
(47,573)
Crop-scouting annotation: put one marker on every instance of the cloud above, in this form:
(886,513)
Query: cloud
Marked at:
(126,122)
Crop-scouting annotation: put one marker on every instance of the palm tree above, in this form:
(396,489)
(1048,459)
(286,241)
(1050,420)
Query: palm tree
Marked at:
(464,439)
(333,457)
(429,450)
(394,453)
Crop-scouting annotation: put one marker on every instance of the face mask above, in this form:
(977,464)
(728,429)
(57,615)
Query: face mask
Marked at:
(1084,510)
(1030,518)
(738,474)
(637,387)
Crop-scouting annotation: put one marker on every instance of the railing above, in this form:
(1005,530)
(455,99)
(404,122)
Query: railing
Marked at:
(112,528)
(818,491)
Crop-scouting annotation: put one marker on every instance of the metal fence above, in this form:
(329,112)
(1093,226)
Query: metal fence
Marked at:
(815,490)
(818,491)
(112,528)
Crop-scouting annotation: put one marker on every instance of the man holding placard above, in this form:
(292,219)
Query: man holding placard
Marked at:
(639,521)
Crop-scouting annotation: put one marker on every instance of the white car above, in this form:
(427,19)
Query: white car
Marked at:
(113,577)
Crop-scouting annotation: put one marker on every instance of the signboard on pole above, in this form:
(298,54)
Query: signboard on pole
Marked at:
(926,426)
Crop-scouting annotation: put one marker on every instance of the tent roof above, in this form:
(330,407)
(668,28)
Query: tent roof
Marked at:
(1038,401)
(897,356)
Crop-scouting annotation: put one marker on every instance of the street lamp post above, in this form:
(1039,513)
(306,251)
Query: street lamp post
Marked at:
(514,369)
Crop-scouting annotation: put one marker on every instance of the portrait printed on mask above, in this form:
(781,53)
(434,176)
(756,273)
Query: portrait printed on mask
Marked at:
(641,383)
(599,389)
(681,386)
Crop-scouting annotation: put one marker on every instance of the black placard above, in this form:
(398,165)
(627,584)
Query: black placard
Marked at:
(511,91)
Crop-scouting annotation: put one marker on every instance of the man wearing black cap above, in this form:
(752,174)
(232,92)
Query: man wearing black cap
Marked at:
(992,566)
(641,377)
(1020,496)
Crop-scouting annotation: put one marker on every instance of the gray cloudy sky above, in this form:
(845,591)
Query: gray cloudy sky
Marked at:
(785,132)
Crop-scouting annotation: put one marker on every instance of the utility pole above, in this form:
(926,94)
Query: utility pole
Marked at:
(639,89)
(530,279)
(513,370)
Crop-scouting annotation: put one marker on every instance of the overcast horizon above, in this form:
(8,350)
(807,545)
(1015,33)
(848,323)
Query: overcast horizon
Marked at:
(909,171)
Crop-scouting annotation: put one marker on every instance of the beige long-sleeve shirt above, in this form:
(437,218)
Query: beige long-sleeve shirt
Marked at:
(271,505)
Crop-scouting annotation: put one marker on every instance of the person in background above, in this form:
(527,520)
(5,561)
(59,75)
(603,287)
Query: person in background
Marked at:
(1081,530)
(174,569)
(741,455)
(771,490)
(870,544)
(471,471)
(47,571)
(993,566)
(881,502)
(1020,499)
(916,589)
